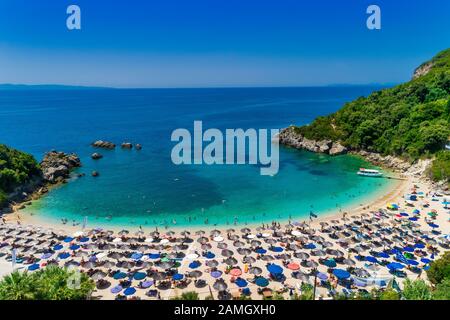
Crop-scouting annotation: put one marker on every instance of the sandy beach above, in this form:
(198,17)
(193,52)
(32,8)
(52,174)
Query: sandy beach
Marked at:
(161,255)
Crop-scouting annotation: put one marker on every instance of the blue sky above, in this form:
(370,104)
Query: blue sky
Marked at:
(203,43)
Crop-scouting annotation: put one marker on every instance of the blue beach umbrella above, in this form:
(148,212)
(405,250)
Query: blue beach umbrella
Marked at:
(46,255)
(119,275)
(58,247)
(139,275)
(427,267)
(68,239)
(209,255)
(74,247)
(154,255)
(416,211)
(425,260)
(194,265)
(322,276)
(395,266)
(404,214)
(274,269)
(216,274)
(408,249)
(116,289)
(413,219)
(261,251)
(261,282)
(63,255)
(419,245)
(146,284)
(84,239)
(177,276)
(413,262)
(276,249)
(129,291)
(33,267)
(433,225)
(383,255)
(330,263)
(372,259)
(310,246)
(241,283)
(136,256)
(341,274)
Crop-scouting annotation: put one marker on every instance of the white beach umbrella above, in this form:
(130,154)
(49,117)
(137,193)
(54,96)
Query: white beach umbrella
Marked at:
(296,233)
(148,240)
(218,239)
(117,240)
(192,256)
(251,236)
(164,241)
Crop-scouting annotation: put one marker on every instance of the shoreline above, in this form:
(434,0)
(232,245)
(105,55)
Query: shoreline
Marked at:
(377,201)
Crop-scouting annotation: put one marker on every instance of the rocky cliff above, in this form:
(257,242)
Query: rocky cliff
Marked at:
(291,138)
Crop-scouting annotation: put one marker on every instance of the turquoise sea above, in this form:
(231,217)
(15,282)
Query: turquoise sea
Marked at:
(145,188)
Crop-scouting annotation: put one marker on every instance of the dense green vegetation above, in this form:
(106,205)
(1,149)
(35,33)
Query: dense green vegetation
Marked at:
(411,120)
(16,168)
(51,283)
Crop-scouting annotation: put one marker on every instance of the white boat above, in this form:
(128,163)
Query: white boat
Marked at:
(369,172)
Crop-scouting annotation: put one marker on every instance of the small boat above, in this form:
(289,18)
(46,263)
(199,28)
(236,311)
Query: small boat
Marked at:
(369,172)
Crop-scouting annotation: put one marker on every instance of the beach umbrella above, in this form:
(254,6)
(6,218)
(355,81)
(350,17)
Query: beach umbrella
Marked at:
(231,261)
(206,246)
(311,264)
(296,233)
(215,233)
(301,255)
(195,274)
(33,267)
(270,241)
(419,245)
(129,291)
(383,255)
(260,251)
(158,276)
(68,239)
(267,258)
(310,246)
(244,251)
(154,256)
(209,255)
(395,266)
(301,276)
(241,283)
(98,276)
(318,252)
(341,274)
(212,263)
(408,249)
(322,276)
(222,245)
(261,282)
(146,284)
(139,276)
(371,259)
(361,273)
(433,225)
(330,263)
(58,247)
(234,237)
(235,272)
(227,253)
(202,240)
(255,270)
(46,255)
(63,255)
(216,274)
(116,289)
(88,265)
(255,243)
(413,262)
(425,260)
(293,266)
(274,268)
(119,275)
(238,244)
(220,285)
(177,276)
(249,260)
(276,249)
(245,230)
(194,264)
(136,256)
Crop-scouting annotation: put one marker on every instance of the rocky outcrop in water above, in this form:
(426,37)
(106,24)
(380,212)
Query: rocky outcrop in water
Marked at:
(103,144)
(127,145)
(56,166)
(291,138)
(96,156)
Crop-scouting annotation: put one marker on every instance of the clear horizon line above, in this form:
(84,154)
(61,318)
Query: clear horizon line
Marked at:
(76,86)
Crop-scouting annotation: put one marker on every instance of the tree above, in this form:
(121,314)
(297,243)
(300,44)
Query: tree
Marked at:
(190,295)
(416,290)
(389,294)
(442,290)
(439,269)
(51,283)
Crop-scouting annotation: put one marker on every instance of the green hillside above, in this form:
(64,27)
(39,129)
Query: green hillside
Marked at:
(16,168)
(411,120)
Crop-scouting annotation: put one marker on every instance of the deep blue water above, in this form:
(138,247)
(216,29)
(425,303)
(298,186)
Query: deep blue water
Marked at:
(144,187)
